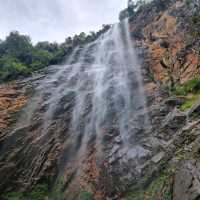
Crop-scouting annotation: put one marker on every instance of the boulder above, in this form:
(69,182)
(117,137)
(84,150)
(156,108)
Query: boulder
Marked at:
(158,157)
(195,110)
(174,120)
(175,101)
(187,181)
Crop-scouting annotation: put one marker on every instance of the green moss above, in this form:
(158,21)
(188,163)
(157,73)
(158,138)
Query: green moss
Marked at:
(191,89)
(192,86)
(84,195)
(14,196)
(190,102)
(38,193)
(41,192)
(158,189)
(57,192)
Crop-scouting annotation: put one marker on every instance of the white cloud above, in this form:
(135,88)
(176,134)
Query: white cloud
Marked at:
(54,20)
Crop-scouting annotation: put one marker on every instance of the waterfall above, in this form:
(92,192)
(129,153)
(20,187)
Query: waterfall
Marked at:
(104,79)
(109,90)
(95,102)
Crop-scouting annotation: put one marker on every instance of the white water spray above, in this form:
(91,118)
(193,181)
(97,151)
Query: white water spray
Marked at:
(104,81)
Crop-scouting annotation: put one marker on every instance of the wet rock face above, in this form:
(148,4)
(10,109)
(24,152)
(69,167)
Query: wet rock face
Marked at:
(33,153)
(12,99)
(174,121)
(167,35)
(41,147)
(187,181)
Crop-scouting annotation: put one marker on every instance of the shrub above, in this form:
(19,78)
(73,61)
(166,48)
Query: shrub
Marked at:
(12,68)
(38,193)
(160,188)
(14,196)
(192,86)
(84,195)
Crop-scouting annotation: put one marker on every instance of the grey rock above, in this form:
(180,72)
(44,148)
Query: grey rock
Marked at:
(118,140)
(153,142)
(175,101)
(187,182)
(114,149)
(157,158)
(194,110)
(138,152)
(174,120)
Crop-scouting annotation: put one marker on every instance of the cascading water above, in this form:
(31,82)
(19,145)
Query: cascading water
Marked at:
(105,79)
(108,89)
(95,98)
(103,83)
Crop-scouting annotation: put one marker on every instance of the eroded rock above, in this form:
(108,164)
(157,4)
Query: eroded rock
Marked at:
(174,120)
(187,181)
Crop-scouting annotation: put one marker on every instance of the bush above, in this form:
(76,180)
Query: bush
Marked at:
(11,68)
(19,57)
(84,195)
(189,103)
(39,193)
(160,188)
(14,196)
(192,86)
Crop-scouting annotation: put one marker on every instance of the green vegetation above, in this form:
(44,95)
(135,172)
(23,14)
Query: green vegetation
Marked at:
(135,7)
(19,57)
(190,102)
(84,195)
(38,193)
(158,189)
(192,86)
(191,90)
(41,192)
(132,8)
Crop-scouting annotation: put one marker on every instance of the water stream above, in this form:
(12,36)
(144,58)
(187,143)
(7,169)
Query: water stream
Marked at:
(96,95)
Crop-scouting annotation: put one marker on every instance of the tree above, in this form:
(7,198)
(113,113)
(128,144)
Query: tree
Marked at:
(131,8)
(19,57)
(17,45)
(123,14)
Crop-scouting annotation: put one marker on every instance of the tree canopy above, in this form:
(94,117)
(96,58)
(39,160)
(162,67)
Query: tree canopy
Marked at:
(19,57)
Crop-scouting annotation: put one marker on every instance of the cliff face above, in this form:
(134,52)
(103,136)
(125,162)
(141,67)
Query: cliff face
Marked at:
(163,162)
(166,34)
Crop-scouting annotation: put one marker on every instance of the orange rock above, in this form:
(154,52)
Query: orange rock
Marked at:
(12,99)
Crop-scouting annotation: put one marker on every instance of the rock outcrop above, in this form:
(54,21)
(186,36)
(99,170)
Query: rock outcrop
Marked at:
(163,161)
(165,33)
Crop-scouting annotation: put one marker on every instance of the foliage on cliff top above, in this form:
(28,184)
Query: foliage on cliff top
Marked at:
(19,57)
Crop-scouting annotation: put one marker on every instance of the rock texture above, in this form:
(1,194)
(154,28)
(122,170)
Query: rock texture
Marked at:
(31,153)
(164,32)
(12,99)
(186,182)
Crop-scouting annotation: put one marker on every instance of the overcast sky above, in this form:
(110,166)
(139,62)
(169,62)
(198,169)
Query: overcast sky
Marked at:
(54,20)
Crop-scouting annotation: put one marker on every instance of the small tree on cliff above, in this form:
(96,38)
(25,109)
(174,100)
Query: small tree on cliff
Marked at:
(131,8)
